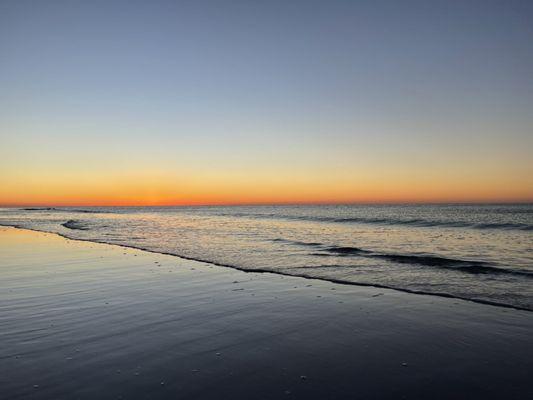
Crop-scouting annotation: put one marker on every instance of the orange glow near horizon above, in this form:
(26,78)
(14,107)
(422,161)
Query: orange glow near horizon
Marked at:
(146,190)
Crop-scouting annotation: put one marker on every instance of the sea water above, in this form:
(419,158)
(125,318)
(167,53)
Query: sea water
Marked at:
(475,252)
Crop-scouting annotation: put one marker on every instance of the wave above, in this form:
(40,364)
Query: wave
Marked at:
(71,210)
(410,222)
(76,225)
(296,242)
(347,250)
(433,223)
(486,269)
(471,267)
(468,266)
(415,222)
(86,211)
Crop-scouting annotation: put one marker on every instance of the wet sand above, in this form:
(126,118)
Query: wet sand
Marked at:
(81,320)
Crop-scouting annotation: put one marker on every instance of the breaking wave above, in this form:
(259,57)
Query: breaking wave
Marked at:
(76,225)
(468,266)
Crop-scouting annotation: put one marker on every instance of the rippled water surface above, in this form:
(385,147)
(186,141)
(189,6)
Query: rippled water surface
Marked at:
(477,252)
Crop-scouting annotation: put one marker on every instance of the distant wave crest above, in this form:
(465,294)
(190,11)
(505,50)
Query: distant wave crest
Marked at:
(430,223)
(71,210)
(415,222)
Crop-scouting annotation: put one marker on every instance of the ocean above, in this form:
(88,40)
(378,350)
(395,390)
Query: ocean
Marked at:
(481,253)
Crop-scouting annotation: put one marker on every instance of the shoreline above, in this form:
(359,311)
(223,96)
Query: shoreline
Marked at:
(260,270)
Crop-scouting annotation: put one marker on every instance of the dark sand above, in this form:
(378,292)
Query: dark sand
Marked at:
(88,321)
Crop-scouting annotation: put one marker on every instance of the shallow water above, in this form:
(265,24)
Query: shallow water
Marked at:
(477,252)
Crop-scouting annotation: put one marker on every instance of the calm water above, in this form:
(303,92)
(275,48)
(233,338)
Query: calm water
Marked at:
(478,252)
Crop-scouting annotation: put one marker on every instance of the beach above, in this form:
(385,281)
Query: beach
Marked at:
(82,320)
(266,200)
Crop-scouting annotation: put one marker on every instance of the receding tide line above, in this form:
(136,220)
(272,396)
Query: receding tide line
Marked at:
(267,271)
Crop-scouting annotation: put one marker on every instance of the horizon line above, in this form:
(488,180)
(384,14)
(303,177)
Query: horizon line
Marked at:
(296,203)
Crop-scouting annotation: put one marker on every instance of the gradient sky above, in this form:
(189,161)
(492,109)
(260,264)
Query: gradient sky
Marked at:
(208,102)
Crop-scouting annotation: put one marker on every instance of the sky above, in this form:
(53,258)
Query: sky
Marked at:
(259,102)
